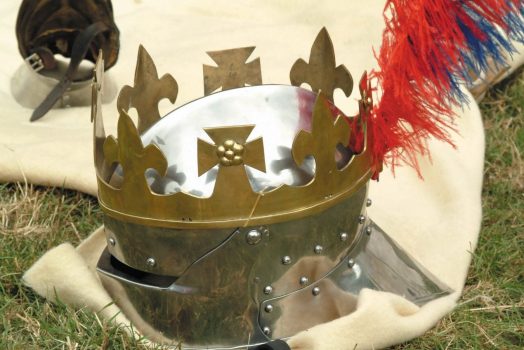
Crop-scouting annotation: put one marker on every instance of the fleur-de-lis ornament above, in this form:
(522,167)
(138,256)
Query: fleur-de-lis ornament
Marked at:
(147,91)
(326,133)
(135,159)
(322,73)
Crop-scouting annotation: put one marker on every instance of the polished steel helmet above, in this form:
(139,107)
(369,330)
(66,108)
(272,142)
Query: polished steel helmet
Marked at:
(240,218)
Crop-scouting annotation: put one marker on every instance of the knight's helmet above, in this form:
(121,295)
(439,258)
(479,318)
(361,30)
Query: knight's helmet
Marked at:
(240,217)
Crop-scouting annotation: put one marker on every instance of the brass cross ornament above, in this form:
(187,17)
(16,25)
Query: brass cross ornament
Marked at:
(230,149)
(232,70)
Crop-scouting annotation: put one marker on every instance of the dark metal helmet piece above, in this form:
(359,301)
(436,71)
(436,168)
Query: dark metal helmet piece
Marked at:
(49,27)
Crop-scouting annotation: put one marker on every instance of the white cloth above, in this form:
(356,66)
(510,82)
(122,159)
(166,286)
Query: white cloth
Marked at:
(436,220)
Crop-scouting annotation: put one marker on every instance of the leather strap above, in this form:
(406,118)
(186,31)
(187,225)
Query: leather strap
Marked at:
(80,47)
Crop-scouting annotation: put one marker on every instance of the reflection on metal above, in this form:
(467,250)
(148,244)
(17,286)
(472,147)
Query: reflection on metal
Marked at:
(135,159)
(322,73)
(232,70)
(286,260)
(147,91)
(253,237)
(103,169)
(131,199)
(222,240)
(226,283)
(174,250)
(230,153)
(351,263)
(151,262)
(378,263)
(230,148)
(215,304)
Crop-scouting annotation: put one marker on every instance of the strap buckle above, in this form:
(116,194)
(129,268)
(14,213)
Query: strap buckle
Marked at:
(35,61)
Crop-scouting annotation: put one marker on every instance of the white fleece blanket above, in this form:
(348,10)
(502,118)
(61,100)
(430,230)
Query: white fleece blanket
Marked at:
(436,220)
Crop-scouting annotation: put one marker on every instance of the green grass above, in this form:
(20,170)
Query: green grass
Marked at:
(490,313)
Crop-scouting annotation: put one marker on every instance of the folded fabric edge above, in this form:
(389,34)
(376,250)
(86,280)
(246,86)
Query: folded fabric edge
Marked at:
(68,274)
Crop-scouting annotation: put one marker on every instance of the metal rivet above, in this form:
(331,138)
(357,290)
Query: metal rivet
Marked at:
(286,260)
(361,219)
(150,262)
(368,230)
(343,236)
(318,249)
(369,202)
(316,291)
(351,263)
(303,280)
(253,237)
(268,308)
(112,241)
(266,330)
(268,290)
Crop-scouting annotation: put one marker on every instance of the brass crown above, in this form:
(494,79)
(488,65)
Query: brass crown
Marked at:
(233,203)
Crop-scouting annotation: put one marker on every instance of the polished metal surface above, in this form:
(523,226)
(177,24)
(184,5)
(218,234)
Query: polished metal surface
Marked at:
(375,262)
(321,72)
(253,237)
(150,262)
(240,217)
(215,299)
(147,90)
(172,250)
(273,110)
(218,306)
(232,70)
(318,132)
